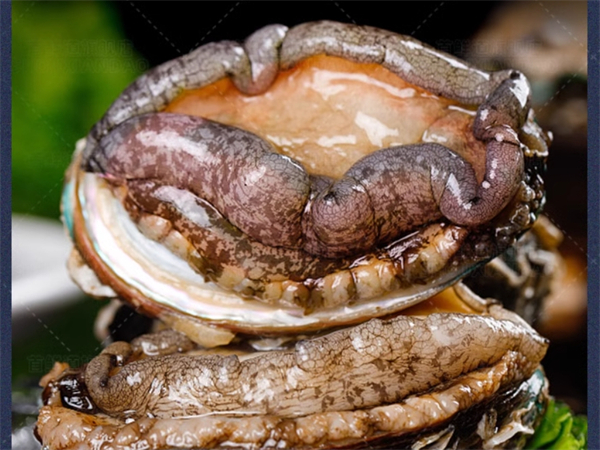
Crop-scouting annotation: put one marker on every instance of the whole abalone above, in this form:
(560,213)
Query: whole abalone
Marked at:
(281,206)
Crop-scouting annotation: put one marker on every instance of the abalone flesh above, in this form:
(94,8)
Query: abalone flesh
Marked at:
(293,210)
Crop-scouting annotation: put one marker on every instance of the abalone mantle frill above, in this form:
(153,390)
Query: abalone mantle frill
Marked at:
(317,256)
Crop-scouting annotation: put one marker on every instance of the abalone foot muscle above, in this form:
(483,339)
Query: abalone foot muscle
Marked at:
(450,417)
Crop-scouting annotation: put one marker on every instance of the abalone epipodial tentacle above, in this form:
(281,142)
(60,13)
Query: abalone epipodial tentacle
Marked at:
(355,368)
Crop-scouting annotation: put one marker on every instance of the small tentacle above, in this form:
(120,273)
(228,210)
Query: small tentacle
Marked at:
(464,202)
(507,105)
(262,48)
(100,384)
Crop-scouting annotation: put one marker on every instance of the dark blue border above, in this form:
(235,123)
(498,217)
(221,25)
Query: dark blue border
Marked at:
(5,206)
(593,224)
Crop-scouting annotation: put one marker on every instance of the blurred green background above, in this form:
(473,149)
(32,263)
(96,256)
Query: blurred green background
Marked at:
(63,81)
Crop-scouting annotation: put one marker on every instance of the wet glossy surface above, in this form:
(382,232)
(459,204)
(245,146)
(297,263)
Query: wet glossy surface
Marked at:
(424,261)
(328,112)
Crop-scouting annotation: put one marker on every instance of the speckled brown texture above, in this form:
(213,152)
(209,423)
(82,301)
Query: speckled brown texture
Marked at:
(462,401)
(266,195)
(374,363)
(286,225)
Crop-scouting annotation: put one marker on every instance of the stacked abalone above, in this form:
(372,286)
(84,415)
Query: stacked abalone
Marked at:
(292,210)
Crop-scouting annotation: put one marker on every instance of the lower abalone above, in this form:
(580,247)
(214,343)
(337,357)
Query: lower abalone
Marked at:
(401,377)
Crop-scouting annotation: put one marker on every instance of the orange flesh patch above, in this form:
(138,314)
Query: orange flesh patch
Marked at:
(444,302)
(327,113)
